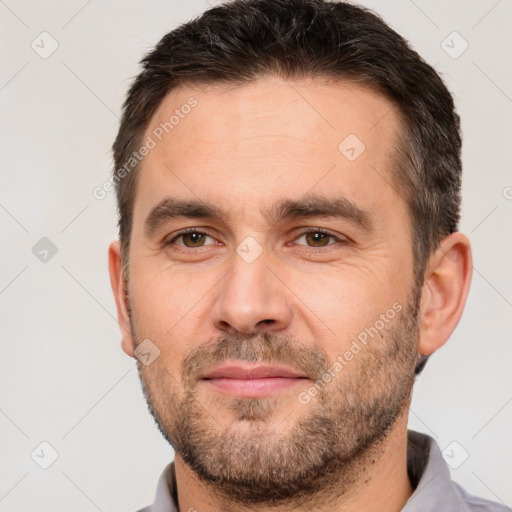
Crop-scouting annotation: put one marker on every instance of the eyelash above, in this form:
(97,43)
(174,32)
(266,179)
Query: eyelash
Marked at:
(305,232)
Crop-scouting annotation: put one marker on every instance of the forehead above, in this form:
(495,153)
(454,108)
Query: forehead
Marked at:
(318,110)
(271,136)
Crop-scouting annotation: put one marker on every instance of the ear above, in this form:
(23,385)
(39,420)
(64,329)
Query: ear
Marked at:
(444,293)
(119,288)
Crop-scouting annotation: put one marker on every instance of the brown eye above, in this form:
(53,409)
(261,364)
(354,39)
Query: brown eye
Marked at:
(196,239)
(318,239)
(190,239)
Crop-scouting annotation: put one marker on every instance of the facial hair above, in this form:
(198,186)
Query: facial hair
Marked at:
(253,460)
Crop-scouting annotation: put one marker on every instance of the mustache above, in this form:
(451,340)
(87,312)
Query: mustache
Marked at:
(265,348)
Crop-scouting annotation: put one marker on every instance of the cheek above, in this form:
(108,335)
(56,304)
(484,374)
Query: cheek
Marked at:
(158,300)
(169,311)
(342,304)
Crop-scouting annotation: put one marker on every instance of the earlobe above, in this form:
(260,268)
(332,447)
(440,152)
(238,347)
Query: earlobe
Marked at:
(118,285)
(444,293)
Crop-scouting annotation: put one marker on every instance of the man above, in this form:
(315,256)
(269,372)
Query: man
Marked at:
(288,181)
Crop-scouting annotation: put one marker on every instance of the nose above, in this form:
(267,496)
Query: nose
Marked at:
(251,299)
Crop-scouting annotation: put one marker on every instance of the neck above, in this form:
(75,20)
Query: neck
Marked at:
(382,486)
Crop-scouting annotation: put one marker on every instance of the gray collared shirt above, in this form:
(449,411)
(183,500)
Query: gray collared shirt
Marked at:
(434,490)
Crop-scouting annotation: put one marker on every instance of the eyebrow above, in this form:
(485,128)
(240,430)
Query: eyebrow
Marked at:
(307,207)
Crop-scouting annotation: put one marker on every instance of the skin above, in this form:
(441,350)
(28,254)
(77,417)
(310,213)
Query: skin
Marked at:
(244,148)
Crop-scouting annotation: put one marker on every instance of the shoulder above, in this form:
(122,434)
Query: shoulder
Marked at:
(476,504)
(434,489)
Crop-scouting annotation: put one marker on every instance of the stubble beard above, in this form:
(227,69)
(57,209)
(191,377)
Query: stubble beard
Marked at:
(335,439)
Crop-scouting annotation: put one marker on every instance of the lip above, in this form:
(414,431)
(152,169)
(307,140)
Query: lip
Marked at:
(252,380)
(245,371)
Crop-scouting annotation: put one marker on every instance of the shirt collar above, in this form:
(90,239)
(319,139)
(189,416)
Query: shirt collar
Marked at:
(166,496)
(430,477)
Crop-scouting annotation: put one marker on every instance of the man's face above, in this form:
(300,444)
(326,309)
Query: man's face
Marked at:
(255,288)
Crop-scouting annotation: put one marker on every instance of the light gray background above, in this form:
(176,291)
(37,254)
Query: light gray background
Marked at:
(64,377)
